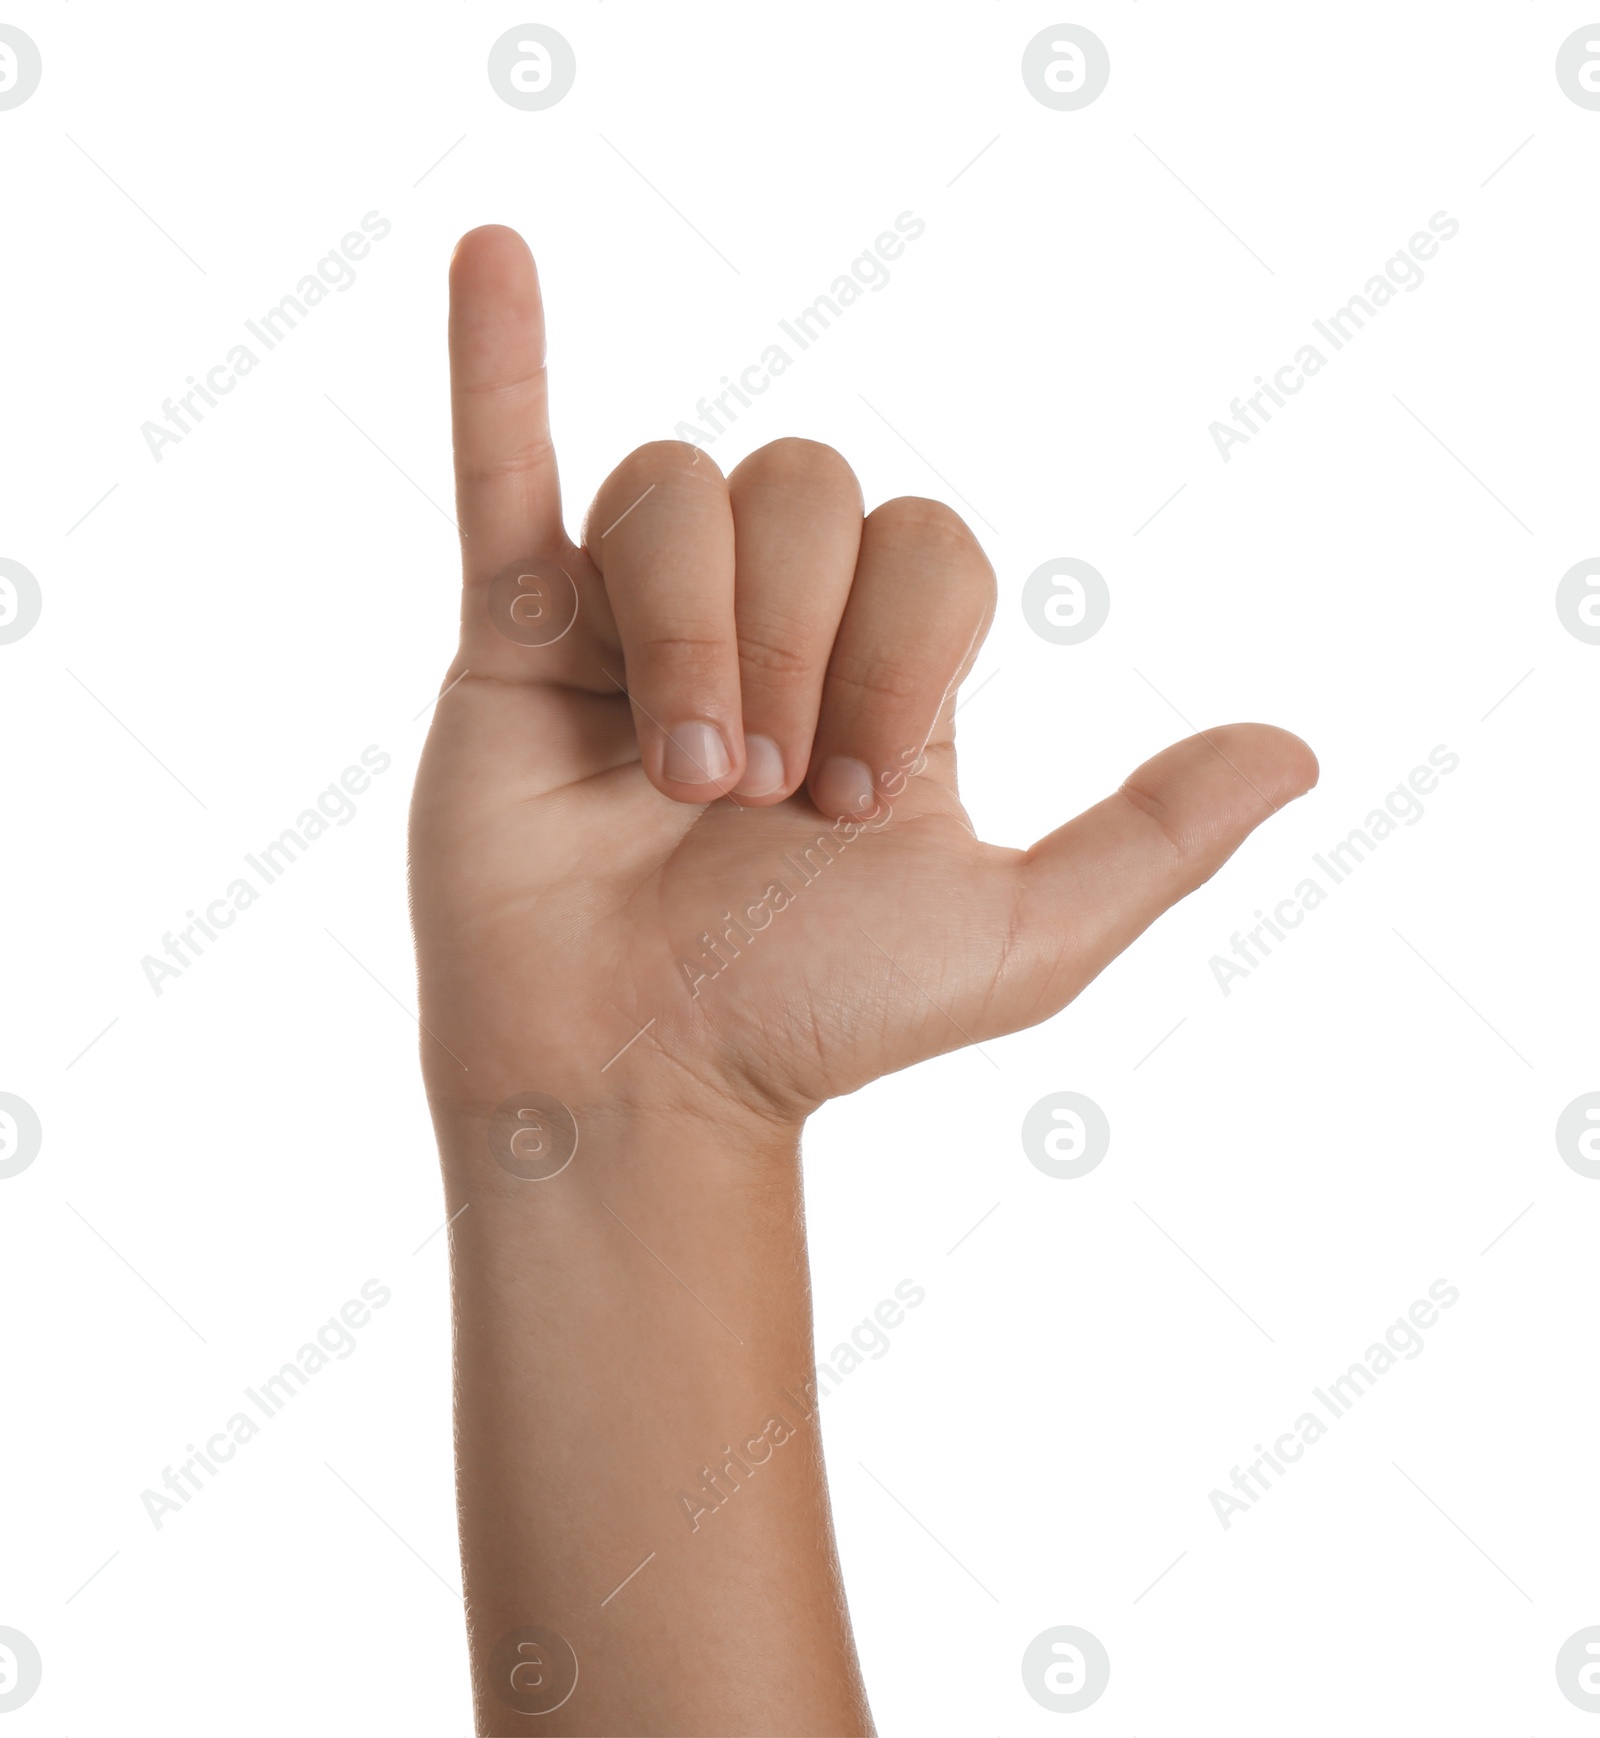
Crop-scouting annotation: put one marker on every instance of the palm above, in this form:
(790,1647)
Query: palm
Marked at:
(764,951)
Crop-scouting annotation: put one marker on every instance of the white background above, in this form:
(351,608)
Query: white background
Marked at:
(1360,1117)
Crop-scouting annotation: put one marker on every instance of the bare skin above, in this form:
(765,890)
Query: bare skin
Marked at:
(690,869)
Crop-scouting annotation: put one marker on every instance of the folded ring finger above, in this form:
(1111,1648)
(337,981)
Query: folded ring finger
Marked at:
(797,529)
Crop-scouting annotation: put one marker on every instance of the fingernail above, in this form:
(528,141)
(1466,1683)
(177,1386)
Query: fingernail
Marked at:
(844,786)
(763,768)
(695,754)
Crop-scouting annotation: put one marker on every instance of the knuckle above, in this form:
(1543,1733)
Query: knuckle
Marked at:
(656,465)
(663,469)
(913,519)
(656,459)
(796,463)
(531,456)
(876,678)
(942,546)
(674,657)
(1158,813)
(669,643)
(775,655)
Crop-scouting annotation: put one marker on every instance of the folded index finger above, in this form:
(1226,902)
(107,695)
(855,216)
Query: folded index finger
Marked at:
(508,499)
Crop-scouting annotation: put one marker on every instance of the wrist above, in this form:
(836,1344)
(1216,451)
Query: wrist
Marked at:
(524,1143)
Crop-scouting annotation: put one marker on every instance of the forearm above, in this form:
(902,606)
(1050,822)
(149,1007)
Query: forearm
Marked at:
(633,1368)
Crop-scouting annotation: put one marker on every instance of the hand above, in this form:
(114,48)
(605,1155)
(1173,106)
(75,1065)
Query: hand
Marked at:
(723,803)
(692,862)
